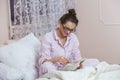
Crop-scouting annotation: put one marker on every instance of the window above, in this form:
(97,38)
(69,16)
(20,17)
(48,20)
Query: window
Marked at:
(37,16)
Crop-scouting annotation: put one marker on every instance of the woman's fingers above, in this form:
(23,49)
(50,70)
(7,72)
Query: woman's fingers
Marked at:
(64,60)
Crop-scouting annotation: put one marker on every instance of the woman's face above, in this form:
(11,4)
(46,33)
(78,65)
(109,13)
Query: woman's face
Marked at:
(67,28)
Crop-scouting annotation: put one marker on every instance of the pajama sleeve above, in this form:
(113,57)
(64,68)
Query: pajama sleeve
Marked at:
(45,50)
(76,56)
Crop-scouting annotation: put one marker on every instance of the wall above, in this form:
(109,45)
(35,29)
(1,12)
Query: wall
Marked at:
(96,39)
(3,20)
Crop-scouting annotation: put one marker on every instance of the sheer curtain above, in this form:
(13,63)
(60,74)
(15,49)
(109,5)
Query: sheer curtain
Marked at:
(37,16)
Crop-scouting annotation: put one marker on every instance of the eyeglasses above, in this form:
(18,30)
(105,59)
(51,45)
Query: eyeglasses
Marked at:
(68,29)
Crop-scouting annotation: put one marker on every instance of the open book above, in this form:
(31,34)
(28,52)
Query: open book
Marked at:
(73,66)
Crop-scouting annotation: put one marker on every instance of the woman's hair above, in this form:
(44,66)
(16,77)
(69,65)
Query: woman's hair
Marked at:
(70,16)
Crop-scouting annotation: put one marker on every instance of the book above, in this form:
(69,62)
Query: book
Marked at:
(73,66)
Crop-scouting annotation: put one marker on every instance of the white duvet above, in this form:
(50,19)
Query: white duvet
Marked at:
(103,71)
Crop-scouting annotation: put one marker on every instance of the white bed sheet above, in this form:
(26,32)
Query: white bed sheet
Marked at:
(103,71)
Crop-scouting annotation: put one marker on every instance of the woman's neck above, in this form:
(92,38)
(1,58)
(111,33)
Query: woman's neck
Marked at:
(61,37)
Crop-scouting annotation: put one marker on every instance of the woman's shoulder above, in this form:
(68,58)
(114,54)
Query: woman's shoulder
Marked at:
(48,36)
(73,36)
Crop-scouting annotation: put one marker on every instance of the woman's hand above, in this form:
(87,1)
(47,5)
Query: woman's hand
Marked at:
(60,59)
(63,60)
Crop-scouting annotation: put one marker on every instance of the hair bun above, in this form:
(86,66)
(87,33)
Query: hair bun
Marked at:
(72,12)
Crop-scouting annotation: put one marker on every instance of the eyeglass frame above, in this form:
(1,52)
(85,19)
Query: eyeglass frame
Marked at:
(68,29)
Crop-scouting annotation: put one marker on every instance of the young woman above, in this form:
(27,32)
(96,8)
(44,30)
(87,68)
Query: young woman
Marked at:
(60,46)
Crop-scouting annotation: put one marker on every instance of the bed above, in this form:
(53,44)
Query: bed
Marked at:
(12,67)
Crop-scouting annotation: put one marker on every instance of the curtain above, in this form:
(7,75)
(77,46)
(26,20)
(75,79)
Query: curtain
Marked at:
(37,16)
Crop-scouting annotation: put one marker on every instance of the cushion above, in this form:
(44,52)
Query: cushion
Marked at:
(21,55)
(9,73)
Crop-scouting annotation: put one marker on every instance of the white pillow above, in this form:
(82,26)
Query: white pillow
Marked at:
(22,55)
(9,73)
